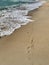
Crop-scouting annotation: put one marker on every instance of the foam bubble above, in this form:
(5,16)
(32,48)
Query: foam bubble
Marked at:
(14,18)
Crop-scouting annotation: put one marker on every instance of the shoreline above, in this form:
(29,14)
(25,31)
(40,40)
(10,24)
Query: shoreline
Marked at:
(28,45)
(16,18)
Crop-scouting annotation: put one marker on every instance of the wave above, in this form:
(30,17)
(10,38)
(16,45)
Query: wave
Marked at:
(15,16)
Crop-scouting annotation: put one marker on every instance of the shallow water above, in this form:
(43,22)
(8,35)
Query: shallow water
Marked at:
(4,3)
(14,17)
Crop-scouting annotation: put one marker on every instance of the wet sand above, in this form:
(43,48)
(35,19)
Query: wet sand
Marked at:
(28,45)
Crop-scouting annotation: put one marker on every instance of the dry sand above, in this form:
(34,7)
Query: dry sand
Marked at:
(28,45)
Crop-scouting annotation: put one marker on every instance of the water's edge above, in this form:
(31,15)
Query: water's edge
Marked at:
(14,17)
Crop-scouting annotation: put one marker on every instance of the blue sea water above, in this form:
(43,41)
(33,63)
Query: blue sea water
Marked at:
(4,3)
(13,14)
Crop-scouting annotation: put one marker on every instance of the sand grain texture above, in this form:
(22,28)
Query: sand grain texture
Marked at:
(28,45)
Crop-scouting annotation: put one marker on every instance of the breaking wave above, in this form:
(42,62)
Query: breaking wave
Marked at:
(13,17)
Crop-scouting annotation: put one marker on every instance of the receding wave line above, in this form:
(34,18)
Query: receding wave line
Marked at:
(13,17)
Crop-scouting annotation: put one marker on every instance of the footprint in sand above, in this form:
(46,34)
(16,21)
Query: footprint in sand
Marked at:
(29,50)
(29,47)
(32,44)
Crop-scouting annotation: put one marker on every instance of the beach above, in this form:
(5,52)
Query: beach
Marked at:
(28,45)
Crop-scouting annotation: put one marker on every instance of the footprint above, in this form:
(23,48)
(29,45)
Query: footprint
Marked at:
(31,41)
(28,47)
(27,32)
(29,51)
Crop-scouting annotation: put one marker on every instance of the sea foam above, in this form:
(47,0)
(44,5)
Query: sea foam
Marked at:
(14,18)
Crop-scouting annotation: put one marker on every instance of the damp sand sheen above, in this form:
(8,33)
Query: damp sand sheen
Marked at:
(28,45)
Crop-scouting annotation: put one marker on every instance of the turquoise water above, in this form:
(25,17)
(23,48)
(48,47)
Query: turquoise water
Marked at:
(13,2)
(14,17)
(5,3)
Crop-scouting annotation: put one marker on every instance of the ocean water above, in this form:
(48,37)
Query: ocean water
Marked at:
(12,2)
(13,14)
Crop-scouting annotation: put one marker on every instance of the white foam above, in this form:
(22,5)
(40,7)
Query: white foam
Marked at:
(14,19)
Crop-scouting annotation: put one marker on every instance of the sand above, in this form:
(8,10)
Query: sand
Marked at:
(28,45)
